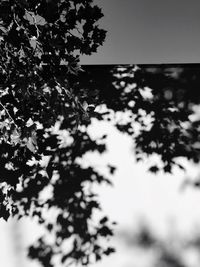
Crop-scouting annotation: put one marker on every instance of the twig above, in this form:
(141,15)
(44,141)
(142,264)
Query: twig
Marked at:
(9,115)
(34,22)
(15,20)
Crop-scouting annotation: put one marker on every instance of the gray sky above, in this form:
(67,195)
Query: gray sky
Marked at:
(149,31)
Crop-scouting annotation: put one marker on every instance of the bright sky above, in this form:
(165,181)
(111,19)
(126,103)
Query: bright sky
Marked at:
(149,31)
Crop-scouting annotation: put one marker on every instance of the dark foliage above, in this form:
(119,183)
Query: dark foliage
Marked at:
(43,119)
(158,101)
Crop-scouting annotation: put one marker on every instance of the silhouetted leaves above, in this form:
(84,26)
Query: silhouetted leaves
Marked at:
(158,101)
(4,212)
(41,116)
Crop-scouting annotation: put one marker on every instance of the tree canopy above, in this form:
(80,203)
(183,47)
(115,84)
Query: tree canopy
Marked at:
(40,117)
(46,104)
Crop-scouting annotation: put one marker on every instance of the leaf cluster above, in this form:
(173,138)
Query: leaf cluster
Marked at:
(156,103)
(43,125)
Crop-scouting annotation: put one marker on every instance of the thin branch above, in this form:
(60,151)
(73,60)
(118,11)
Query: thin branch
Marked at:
(9,115)
(15,20)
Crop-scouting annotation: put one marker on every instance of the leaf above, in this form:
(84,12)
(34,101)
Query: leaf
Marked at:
(109,251)
(103,220)
(154,169)
(105,231)
(168,168)
(112,169)
(85,105)
(15,137)
(4,213)
(31,145)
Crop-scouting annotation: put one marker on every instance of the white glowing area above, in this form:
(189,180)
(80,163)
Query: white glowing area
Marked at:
(136,195)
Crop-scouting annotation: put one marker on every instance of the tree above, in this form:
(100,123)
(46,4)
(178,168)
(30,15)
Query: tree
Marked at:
(43,125)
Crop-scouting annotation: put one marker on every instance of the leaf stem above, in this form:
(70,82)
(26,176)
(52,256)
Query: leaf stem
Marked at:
(8,114)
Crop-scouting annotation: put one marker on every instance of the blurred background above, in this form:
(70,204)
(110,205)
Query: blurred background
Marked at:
(158,220)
